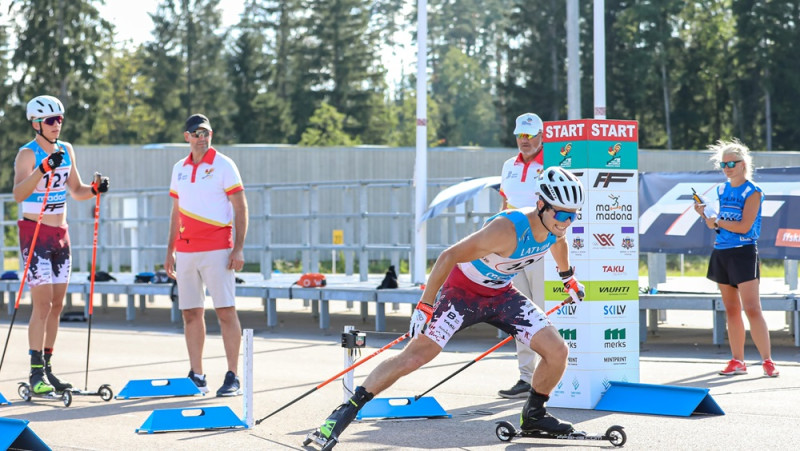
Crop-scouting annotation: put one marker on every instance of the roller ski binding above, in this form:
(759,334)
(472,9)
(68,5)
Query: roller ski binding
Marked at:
(327,435)
(615,434)
(39,388)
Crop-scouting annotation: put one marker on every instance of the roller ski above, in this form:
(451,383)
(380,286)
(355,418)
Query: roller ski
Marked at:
(39,388)
(537,423)
(506,431)
(327,435)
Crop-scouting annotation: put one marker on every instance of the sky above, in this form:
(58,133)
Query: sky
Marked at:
(133,23)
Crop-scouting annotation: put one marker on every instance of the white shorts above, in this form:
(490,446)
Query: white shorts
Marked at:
(210,268)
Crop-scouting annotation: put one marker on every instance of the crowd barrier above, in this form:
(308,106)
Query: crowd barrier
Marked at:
(351,289)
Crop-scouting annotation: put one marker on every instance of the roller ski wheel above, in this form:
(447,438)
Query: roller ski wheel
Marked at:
(325,444)
(24,391)
(105,392)
(506,431)
(66,398)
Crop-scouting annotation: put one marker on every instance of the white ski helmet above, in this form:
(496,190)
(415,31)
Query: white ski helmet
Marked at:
(44,106)
(560,188)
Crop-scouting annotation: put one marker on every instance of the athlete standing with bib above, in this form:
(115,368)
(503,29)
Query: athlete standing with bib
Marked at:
(475,280)
(43,161)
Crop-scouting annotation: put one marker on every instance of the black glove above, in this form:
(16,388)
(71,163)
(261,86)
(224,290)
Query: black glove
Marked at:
(101,187)
(51,162)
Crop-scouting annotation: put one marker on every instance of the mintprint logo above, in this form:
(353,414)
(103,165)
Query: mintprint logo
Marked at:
(613,211)
(615,360)
(614,338)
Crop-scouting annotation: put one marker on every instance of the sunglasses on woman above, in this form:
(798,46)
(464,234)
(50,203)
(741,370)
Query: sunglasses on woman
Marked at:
(728,164)
(51,120)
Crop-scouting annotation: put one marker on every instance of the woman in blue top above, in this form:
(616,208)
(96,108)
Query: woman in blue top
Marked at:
(734,262)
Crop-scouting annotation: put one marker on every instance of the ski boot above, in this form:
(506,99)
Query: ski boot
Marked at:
(57,384)
(327,435)
(534,417)
(38,383)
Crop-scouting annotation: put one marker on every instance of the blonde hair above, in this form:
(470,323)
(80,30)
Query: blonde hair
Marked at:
(733,147)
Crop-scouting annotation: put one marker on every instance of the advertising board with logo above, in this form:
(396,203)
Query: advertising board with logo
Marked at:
(602,331)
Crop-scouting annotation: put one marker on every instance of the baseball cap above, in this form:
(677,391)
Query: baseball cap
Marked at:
(528,123)
(196,121)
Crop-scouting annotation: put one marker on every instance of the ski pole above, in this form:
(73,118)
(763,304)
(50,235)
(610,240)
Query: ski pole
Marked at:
(27,265)
(96,185)
(346,370)
(491,350)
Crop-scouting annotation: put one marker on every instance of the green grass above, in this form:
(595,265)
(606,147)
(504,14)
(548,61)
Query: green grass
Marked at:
(696,266)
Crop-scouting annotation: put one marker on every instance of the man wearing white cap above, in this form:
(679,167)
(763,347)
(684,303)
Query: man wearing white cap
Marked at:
(518,188)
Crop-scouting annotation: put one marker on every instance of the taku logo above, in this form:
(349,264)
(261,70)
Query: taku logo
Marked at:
(616,269)
(604,239)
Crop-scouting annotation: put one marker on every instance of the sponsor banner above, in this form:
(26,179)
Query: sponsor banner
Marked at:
(573,390)
(569,155)
(614,312)
(669,224)
(577,336)
(551,269)
(613,337)
(611,206)
(611,179)
(613,270)
(567,314)
(611,241)
(578,242)
(616,154)
(611,360)
(611,290)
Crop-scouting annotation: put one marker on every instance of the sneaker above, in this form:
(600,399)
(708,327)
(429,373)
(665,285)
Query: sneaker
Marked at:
(519,390)
(199,380)
(231,386)
(735,367)
(769,368)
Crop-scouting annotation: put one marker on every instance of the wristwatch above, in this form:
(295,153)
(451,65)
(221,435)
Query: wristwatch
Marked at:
(716,225)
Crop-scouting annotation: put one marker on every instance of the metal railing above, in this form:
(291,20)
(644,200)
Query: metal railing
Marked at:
(287,221)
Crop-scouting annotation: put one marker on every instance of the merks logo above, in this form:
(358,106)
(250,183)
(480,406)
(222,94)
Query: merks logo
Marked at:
(607,178)
(614,338)
(568,334)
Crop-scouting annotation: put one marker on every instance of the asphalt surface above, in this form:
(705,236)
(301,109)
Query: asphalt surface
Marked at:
(760,412)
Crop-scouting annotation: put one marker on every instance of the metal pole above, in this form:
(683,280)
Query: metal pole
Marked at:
(573,62)
(421,165)
(599,60)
